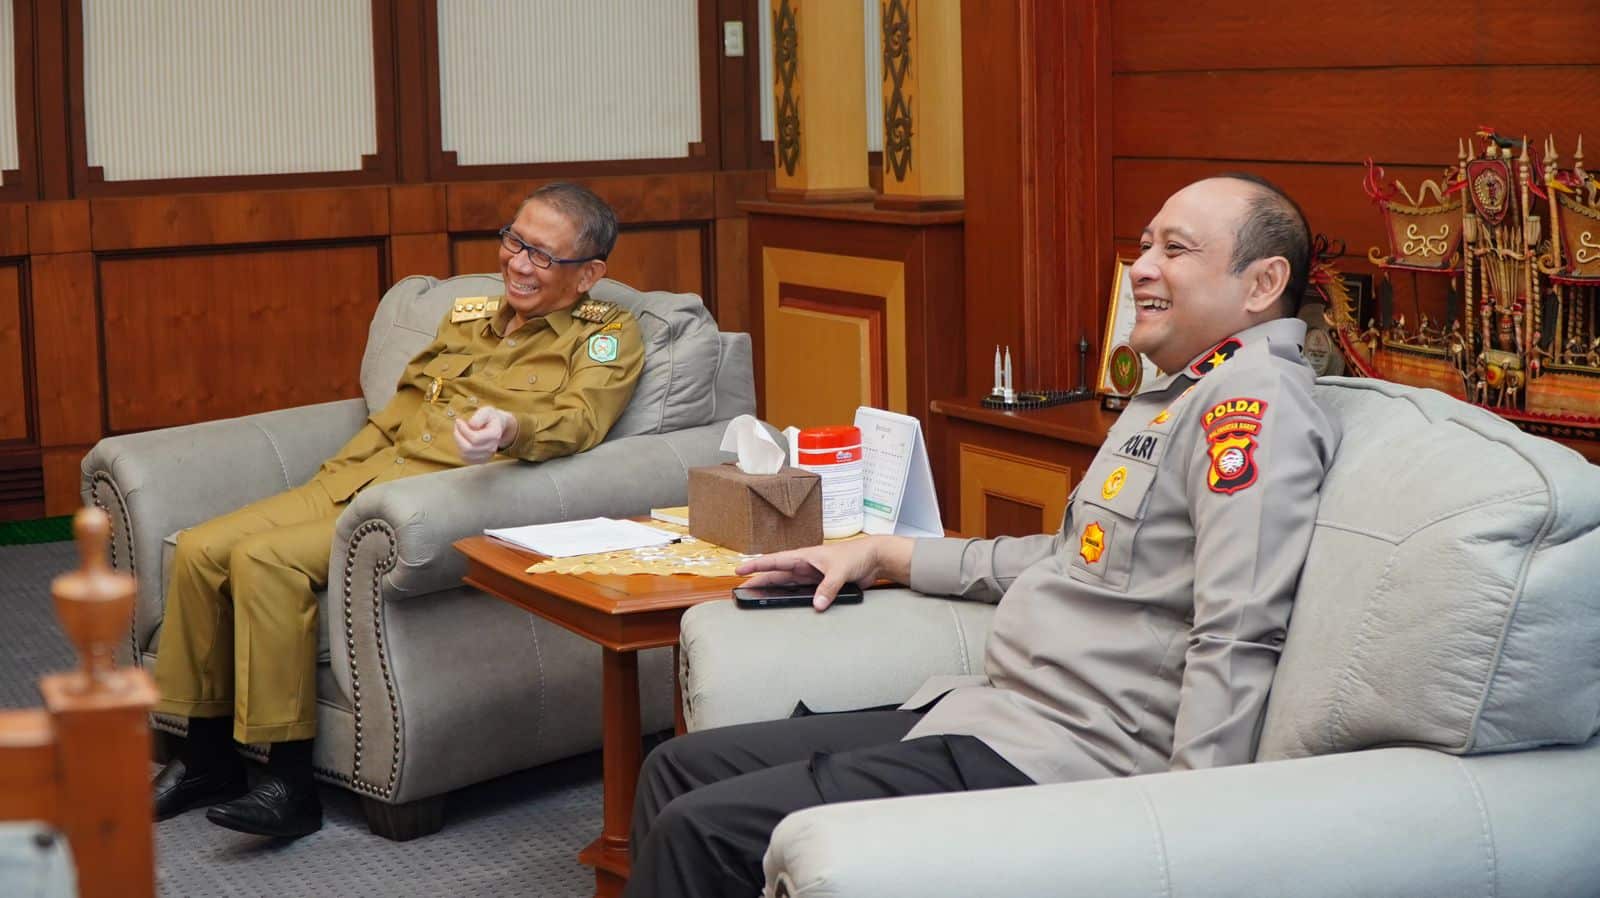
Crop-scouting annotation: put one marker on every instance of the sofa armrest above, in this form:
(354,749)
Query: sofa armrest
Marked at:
(424,516)
(394,541)
(1400,821)
(740,666)
(160,481)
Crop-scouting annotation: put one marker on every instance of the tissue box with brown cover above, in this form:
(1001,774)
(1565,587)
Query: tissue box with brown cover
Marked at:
(755,513)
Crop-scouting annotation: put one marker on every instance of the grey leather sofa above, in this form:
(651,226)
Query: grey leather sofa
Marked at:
(426,685)
(1431,729)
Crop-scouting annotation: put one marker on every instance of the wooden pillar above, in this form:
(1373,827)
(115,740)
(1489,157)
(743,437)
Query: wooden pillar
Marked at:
(922,154)
(818,69)
(1037,130)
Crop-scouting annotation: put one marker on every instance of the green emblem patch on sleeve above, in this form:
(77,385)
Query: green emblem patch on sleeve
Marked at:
(603,348)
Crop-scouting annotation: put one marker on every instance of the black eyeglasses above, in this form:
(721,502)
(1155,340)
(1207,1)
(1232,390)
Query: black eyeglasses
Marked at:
(537,256)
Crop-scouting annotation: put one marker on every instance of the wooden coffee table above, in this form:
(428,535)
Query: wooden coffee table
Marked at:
(623,614)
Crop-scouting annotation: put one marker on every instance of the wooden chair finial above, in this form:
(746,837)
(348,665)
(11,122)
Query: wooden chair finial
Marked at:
(94,602)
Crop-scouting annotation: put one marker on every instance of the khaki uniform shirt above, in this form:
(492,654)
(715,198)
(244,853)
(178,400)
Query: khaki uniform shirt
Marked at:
(565,379)
(1143,635)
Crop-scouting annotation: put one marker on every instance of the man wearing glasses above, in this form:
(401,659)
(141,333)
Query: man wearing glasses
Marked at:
(539,372)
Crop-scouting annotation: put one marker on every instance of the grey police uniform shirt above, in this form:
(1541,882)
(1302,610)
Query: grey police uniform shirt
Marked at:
(1143,635)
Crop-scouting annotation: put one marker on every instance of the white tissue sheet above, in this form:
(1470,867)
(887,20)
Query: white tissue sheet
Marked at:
(758,452)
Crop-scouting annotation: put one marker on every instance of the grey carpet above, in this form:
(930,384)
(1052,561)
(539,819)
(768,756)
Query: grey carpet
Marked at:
(517,835)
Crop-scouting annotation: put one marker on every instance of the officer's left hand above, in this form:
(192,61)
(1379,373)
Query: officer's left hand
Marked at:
(485,433)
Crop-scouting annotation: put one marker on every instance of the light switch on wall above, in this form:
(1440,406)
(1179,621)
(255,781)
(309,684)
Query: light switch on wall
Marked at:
(732,38)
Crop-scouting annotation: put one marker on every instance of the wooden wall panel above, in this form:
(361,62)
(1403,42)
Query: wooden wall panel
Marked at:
(1302,98)
(211,335)
(662,259)
(14,373)
(647,259)
(63,475)
(58,227)
(1036,80)
(992,115)
(731,264)
(212,219)
(1396,115)
(66,349)
(1158,35)
(475,255)
(13,229)
(1331,195)
(419,254)
(640,199)
(416,209)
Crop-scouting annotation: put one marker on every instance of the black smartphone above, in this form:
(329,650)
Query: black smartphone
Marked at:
(797,595)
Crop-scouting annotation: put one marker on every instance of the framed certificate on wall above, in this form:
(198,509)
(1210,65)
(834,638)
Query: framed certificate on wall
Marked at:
(1122,370)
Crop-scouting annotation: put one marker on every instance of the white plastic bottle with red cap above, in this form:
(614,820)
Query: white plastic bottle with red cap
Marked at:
(834,454)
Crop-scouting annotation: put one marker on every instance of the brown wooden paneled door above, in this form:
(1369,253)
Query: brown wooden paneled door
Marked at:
(201,336)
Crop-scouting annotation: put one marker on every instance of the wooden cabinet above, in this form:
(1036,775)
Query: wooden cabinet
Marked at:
(1010,473)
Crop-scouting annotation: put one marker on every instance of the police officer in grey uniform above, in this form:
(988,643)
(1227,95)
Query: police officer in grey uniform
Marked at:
(1141,637)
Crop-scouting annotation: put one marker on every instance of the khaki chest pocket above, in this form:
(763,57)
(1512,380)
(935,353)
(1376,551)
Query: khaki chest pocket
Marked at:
(1110,507)
(445,367)
(447,364)
(537,375)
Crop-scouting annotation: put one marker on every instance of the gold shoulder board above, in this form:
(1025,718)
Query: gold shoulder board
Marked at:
(594,310)
(472,308)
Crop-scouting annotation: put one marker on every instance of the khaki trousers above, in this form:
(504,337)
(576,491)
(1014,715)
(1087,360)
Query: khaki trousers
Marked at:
(239,634)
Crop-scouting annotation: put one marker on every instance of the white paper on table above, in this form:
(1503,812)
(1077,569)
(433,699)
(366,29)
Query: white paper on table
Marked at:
(587,537)
(898,480)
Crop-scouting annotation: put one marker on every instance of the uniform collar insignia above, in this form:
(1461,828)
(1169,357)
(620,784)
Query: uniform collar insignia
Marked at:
(1214,357)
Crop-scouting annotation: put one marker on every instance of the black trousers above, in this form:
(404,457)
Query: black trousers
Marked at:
(707,802)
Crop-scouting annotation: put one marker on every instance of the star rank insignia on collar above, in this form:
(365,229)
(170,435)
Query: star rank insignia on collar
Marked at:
(593,310)
(1215,356)
(472,308)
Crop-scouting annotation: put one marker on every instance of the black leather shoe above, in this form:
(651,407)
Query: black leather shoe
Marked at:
(275,807)
(177,789)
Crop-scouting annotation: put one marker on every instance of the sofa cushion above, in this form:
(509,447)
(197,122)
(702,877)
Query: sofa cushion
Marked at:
(1449,598)
(407,320)
(675,389)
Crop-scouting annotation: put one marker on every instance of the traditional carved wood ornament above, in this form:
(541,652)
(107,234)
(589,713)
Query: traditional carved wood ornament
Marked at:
(786,44)
(819,56)
(922,90)
(897,128)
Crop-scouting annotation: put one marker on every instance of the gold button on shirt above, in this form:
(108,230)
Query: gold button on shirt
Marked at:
(565,379)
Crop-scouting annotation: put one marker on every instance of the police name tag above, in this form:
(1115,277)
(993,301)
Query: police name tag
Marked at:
(603,348)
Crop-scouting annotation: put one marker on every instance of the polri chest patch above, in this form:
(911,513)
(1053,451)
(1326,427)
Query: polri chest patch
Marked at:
(1145,446)
(603,348)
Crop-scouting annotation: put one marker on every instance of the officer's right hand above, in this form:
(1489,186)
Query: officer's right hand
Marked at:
(488,431)
(859,561)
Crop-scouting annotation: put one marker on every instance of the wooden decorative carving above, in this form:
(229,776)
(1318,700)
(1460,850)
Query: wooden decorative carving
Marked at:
(897,111)
(786,43)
